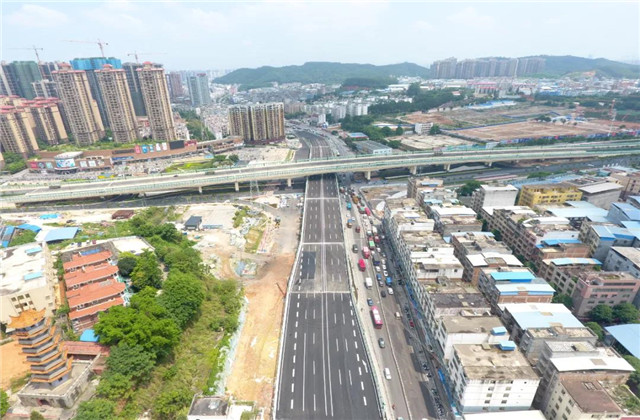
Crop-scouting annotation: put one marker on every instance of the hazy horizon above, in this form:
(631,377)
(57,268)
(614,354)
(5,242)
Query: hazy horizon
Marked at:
(212,35)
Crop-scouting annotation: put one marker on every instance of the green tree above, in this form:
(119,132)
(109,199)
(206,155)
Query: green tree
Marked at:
(35,415)
(386,131)
(96,409)
(635,363)
(469,187)
(146,272)
(4,403)
(435,129)
(601,314)
(413,90)
(234,158)
(497,234)
(115,386)
(596,328)
(182,296)
(170,403)
(126,263)
(625,313)
(566,300)
(169,233)
(132,361)
(399,131)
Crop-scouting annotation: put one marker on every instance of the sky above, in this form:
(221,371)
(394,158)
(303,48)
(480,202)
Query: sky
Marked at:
(227,35)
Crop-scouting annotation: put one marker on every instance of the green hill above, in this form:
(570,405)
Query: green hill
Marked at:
(561,65)
(319,72)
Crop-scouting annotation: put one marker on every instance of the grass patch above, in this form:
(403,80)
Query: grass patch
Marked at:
(190,166)
(17,383)
(254,237)
(239,216)
(23,237)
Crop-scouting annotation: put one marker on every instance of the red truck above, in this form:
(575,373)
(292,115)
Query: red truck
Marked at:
(367,211)
(365,252)
(361,265)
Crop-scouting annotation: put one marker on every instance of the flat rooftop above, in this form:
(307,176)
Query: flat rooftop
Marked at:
(541,315)
(606,360)
(556,331)
(492,258)
(599,188)
(497,188)
(590,396)
(507,415)
(519,210)
(22,268)
(470,324)
(489,362)
(630,253)
(209,406)
(453,211)
(571,346)
(132,244)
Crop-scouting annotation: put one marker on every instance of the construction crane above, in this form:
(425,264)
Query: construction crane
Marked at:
(101,44)
(136,54)
(34,48)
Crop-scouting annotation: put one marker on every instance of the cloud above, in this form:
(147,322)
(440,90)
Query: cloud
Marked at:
(470,17)
(34,16)
(423,26)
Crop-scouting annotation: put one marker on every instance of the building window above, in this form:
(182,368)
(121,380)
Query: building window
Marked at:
(487,401)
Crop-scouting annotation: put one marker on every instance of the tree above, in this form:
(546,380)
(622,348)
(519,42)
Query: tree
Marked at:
(35,415)
(182,296)
(146,272)
(115,386)
(4,403)
(413,90)
(169,404)
(497,234)
(435,129)
(234,158)
(469,187)
(131,361)
(399,131)
(596,328)
(386,131)
(625,313)
(602,314)
(566,300)
(635,363)
(96,409)
(126,263)
(169,233)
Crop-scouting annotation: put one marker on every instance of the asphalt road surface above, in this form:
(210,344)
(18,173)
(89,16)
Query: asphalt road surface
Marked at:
(324,369)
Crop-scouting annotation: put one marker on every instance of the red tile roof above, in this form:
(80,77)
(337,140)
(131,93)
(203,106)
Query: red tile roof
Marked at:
(80,277)
(94,292)
(79,261)
(91,310)
(82,348)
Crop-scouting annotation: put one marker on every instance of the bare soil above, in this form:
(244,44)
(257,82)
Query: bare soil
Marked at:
(13,364)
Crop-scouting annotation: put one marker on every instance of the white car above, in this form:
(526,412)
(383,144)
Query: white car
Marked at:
(385,273)
(377,268)
(390,291)
(384,266)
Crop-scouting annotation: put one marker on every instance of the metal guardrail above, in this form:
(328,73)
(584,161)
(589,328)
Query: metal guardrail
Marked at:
(304,169)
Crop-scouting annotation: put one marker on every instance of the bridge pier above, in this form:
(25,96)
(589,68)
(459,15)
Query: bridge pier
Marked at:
(413,170)
(447,167)
(367,175)
(237,186)
(200,190)
(289,182)
(488,164)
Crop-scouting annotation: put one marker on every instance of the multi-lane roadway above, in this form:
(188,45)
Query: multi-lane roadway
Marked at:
(324,371)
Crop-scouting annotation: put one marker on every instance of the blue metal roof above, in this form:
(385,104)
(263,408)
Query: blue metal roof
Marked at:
(33,250)
(632,213)
(507,345)
(498,331)
(32,276)
(514,276)
(49,216)
(611,233)
(61,234)
(27,226)
(538,319)
(89,335)
(558,241)
(627,335)
(572,261)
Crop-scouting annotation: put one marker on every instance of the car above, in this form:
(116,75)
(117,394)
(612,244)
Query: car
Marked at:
(378,276)
(425,367)
(354,248)
(381,342)
(377,268)
(380,283)
(384,266)
(390,291)
(370,302)
(429,375)
(385,273)
(412,324)
(383,293)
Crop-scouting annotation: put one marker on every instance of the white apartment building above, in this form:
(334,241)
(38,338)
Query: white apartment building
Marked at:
(460,329)
(622,258)
(490,196)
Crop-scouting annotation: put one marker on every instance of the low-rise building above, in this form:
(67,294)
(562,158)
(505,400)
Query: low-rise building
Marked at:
(630,181)
(560,248)
(513,285)
(27,281)
(623,212)
(519,317)
(488,215)
(455,219)
(474,264)
(603,288)
(438,196)
(533,340)
(577,212)
(370,147)
(492,196)
(601,194)
(562,273)
(624,259)
(489,377)
(416,184)
(467,330)
(534,194)
(452,299)
(602,237)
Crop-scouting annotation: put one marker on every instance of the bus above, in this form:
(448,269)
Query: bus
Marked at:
(376,318)
(361,265)
(366,252)
(372,245)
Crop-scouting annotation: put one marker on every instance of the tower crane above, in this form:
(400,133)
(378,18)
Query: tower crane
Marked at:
(101,44)
(34,48)
(136,54)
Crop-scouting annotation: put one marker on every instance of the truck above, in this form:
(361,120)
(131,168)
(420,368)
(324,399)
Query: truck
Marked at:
(358,229)
(374,230)
(368,282)
(376,261)
(361,265)
(376,239)
(348,206)
(367,211)
(349,223)
(355,199)
(366,252)
(361,209)
(389,281)
(372,245)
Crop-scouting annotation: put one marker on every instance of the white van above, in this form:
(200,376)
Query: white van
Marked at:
(398,315)
(387,373)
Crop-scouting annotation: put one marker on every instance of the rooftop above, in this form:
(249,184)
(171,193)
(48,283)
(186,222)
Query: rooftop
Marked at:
(630,253)
(488,362)
(537,286)
(61,234)
(572,261)
(470,324)
(507,415)
(604,361)
(492,258)
(611,233)
(453,211)
(80,260)
(590,396)
(577,212)
(598,188)
(571,346)
(79,277)
(627,335)
(209,406)
(26,319)
(518,210)
(542,315)
(370,144)
(88,294)
(498,188)
(557,331)
(22,268)
(631,212)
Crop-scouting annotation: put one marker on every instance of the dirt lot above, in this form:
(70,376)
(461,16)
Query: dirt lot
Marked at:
(536,129)
(423,142)
(13,364)
(266,153)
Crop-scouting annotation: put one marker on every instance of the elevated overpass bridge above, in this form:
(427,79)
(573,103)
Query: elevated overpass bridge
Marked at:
(19,194)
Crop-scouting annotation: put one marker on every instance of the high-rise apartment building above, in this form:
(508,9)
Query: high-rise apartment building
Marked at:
(261,122)
(46,68)
(156,100)
(90,65)
(16,131)
(199,90)
(133,80)
(45,89)
(5,88)
(19,75)
(117,101)
(81,109)
(174,81)
(486,67)
(42,115)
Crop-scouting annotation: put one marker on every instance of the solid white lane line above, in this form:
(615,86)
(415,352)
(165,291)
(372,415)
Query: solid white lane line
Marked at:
(304,366)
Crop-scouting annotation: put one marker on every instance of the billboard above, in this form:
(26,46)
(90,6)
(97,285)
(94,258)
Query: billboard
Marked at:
(83,163)
(49,165)
(65,163)
(92,163)
(158,147)
(164,146)
(137,149)
(177,144)
(144,148)
(120,158)
(33,165)
(150,146)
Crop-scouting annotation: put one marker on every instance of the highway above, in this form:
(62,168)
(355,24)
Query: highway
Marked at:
(315,165)
(324,371)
